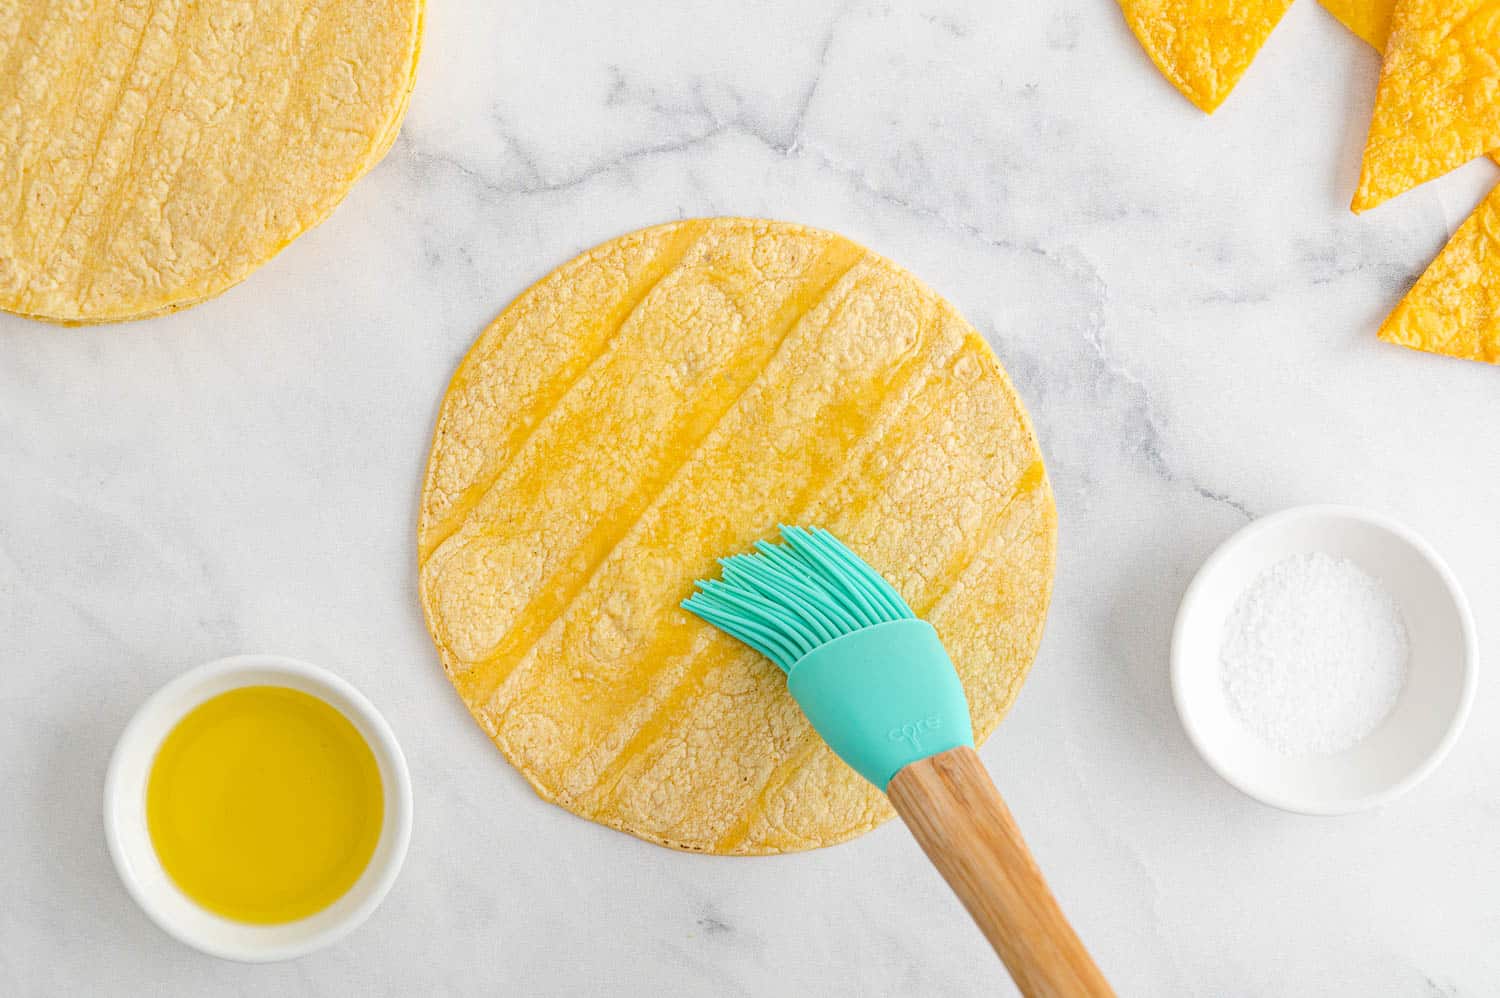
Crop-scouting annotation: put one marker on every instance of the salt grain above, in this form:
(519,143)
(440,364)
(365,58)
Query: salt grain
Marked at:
(1314,655)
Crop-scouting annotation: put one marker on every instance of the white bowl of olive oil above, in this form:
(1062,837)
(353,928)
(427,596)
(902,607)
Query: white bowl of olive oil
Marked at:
(258,808)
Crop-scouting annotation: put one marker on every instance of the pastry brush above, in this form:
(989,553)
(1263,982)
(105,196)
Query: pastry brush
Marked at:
(876,683)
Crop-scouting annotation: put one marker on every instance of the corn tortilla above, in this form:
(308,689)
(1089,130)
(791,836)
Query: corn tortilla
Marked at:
(1454,308)
(1438,103)
(155,152)
(1203,47)
(1369,19)
(667,398)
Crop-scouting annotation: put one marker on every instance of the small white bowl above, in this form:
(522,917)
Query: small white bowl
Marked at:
(1421,727)
(130,841)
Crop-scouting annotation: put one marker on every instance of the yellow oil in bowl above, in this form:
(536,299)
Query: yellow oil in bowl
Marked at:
(264,804)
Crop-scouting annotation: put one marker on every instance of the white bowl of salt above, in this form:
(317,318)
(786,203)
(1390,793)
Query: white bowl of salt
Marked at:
(1323,660)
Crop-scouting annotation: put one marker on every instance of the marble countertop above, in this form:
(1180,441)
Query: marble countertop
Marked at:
(1185,303)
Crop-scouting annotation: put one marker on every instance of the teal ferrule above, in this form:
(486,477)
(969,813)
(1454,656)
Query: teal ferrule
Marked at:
(883,697)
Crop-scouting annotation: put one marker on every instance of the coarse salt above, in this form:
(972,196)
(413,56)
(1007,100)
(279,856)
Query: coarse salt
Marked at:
(1314,655)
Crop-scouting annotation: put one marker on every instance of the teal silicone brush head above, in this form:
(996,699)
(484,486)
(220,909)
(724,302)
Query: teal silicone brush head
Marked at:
(791,598)
(873,679)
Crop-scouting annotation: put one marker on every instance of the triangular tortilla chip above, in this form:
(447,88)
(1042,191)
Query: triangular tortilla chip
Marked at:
(1203,46)
(1438,105)
(1369,19)
(1454,308)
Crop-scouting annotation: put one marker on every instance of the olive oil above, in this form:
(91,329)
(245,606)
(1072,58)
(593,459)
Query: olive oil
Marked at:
(264,804)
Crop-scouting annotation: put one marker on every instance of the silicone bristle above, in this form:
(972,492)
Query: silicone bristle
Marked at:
(784,600)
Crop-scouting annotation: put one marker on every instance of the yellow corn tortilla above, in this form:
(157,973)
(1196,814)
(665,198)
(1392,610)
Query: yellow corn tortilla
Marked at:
(1369,19)
(1454,308)
(1438,104)
(155,152)
(665,399)
(1203,46)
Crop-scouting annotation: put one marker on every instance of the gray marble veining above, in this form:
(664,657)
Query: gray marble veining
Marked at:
(1185,303)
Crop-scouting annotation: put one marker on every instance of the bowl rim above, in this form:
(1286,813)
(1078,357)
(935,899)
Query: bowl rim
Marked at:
(1470,664)
(141,728)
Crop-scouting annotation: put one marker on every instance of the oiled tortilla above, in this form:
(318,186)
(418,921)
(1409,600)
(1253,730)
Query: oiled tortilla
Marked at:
(667,398)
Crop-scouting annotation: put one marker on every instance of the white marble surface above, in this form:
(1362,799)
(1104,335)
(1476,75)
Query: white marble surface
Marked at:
(1184,302)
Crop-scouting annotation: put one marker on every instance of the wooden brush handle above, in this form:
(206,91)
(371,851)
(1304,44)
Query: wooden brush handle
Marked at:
(956,814)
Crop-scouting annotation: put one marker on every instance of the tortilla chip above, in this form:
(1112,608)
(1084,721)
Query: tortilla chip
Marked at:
(1203,46)
(1369,19)
(1454,309)
(155,152)
(1438,105)
(666,399)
